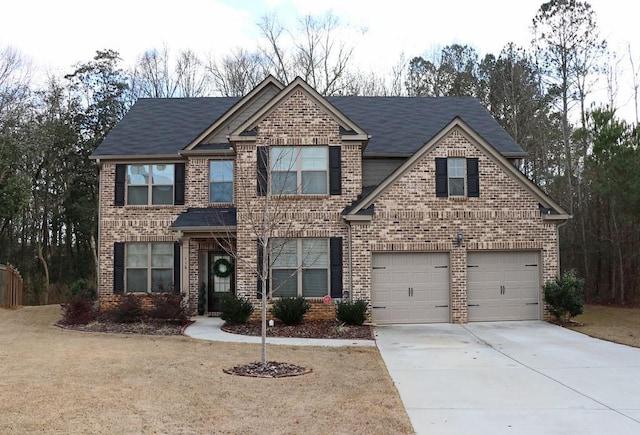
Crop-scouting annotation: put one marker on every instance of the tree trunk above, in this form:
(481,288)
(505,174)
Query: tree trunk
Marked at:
(45,266)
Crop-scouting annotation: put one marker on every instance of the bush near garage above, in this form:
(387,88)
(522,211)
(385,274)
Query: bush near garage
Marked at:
(565,296)
(351,312)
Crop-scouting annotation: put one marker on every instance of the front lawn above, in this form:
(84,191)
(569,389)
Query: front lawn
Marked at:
(612,323)
(63,381)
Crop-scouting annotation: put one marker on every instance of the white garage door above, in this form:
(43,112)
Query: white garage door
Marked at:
(410,287)
(503,286)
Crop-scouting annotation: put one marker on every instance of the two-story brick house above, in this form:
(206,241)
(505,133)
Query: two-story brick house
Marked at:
(413,204)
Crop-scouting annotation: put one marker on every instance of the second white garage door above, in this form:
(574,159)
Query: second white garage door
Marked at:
(410,287)
(503,286)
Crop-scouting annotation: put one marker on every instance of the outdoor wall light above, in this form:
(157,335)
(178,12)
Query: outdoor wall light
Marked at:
(459,238)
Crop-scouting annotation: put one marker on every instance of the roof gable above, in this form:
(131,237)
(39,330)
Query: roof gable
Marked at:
(243,109)
(361,206)
(347,126)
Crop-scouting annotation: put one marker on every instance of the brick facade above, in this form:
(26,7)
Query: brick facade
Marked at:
(410,218)
(408,215)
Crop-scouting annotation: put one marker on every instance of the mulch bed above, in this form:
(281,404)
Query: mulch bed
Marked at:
(272,369)
(148,327)
(308,329)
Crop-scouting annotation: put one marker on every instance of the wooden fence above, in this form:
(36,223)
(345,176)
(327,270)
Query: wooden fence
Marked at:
(10,287)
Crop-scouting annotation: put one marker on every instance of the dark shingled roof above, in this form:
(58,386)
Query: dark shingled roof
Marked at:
(401,125)
(162,125)
(205,217)
(397,125)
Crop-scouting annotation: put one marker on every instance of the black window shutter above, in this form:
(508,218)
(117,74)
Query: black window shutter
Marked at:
(473,178)
(118,268)
(179,181)
(263,160)
(335,171)
(442,189)
(121,178)
(335,250)
(176,267)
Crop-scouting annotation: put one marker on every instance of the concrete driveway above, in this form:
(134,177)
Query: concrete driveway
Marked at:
(512,378)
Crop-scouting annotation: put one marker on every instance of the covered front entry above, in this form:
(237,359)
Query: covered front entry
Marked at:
(503,286)
(410,287)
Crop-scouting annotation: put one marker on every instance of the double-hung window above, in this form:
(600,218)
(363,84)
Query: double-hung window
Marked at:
(456,171)
(457,177)
(299,170)
(300,267)
(149,267)
(150,184)
(221,181)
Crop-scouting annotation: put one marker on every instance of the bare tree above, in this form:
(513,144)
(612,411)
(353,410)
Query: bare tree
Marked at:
(152,77)
(237,73)
(269,223)
(635,80)
(158,75)
(315,52)
(190,75)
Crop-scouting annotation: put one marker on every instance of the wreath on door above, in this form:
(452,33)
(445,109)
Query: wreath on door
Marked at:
(222,268)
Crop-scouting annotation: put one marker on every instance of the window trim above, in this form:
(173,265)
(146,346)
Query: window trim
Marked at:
(299,171)
(299,268)
(149,267)
(233,176)
(149,185)
(463,177)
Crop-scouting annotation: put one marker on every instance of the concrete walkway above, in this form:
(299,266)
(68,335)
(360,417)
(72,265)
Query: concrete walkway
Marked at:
(209,328)
(512,378)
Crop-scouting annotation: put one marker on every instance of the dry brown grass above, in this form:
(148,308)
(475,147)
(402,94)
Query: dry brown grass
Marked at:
(617,324)
(62,381)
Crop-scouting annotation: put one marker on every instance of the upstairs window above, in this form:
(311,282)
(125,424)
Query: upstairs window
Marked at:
(144,184)
(299,170)
(457,177)
(221,181)
(150,184)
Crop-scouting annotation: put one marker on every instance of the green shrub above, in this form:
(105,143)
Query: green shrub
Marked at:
(169,307)
(351,312)
(128,310)
(290,311)
(565,296)
(235,310)
(83,288)
(80,310)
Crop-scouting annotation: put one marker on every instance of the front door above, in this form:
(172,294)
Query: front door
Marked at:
(221,279)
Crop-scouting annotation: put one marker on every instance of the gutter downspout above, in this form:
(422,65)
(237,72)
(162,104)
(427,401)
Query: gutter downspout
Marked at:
(350,261)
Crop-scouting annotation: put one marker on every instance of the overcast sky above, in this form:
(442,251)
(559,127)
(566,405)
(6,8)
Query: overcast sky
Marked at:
(57,34)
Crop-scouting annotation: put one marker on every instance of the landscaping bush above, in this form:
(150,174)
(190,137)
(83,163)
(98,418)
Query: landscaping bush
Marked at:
(290,311)
(79,310)
(351,312)
(235,310)
(83,288)
(129,310)
(170,308)
(565,296)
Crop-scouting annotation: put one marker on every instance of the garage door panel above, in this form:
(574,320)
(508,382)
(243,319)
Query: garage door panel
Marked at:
(503,286)
(426,274)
